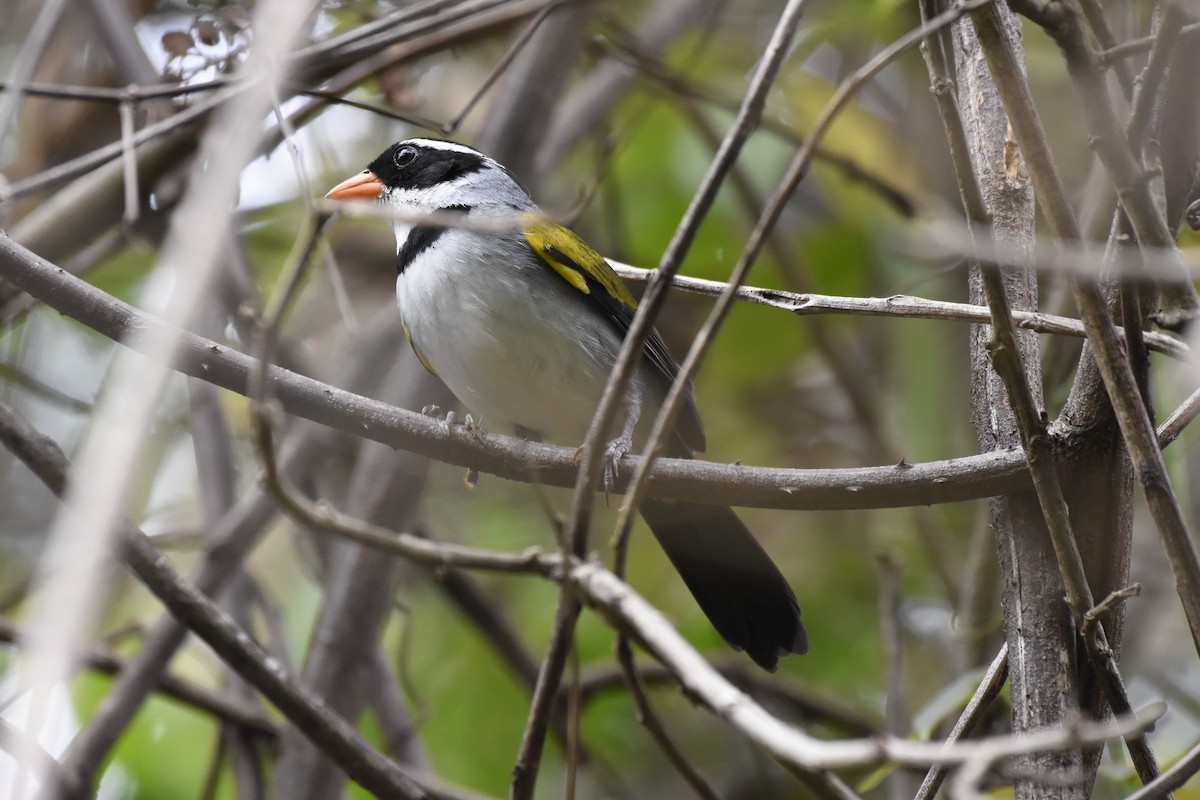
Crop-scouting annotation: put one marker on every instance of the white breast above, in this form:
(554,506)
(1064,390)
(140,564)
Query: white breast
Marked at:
(512,340)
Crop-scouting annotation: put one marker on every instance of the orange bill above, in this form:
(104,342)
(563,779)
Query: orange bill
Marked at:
(362,185)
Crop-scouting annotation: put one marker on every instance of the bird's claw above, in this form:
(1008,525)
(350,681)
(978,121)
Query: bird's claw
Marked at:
(614,451)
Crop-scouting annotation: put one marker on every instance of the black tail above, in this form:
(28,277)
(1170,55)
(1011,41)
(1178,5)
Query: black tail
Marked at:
(736,584)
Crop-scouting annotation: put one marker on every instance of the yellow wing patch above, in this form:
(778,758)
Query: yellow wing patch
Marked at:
(572,258)
(417,352)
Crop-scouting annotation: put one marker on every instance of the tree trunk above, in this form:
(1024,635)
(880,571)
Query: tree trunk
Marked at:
(1043,677)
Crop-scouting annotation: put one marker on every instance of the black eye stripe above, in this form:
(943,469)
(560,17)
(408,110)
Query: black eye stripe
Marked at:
(411,166)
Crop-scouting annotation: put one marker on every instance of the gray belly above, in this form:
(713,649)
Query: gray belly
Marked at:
(540,365)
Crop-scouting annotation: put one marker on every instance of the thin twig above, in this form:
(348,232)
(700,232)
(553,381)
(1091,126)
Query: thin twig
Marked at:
(494,74)
(1152,80)
(133,95)
(102,660)
(897,305)
(225,551)
(630,355)
(1141,45)
(1104,37)
(987,691)
(529,753)
(795,172)
(587,106)
(1172,778)
(388,22)
(650,721)
(786,694)
(895,710)
(419,21)
(33,48)
(615,601)
(1180,418)
(13,374)
(129,157)
(678,85)
(235,646)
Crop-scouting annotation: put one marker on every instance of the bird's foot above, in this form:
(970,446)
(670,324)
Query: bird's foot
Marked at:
(614,451)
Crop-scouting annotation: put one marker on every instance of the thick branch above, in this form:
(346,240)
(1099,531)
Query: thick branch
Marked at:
(904,484)
(1118,376)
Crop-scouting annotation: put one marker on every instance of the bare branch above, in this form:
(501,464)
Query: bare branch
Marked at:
(873,487)
(987,691)
(228,545)
(1172,778)
(31,52)
(796,170)
(615,601)
(700,680)
(1128,174)
(1118,377)
(630,356)
(654,726)
(103,660)
(188,604)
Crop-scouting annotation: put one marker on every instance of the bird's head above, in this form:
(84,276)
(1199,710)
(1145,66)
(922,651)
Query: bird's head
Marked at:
(423,176)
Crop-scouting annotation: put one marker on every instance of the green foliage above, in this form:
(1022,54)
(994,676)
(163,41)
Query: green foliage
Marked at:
(167,749)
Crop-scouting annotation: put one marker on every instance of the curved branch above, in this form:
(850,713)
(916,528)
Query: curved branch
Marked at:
(871,487)
(967,478)
(613,600)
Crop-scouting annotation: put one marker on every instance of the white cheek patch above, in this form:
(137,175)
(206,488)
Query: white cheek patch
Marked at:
(424,201)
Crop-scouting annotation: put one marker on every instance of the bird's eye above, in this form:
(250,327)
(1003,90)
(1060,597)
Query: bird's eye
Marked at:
(405,156)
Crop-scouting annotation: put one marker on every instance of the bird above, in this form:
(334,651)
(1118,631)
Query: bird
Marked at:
(523,322)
